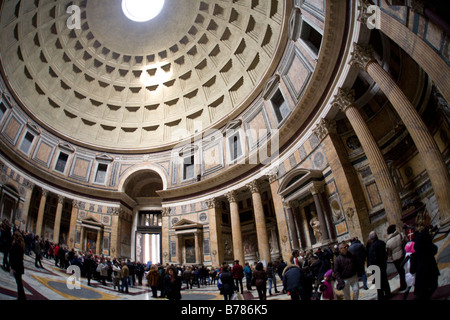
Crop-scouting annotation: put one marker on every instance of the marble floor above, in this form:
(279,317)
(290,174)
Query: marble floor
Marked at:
(51,283)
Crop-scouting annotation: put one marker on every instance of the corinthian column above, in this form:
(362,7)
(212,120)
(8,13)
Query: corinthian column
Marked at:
(431,157)
(57,226)
(40,217)
(344,100)
(238,248)
(260,221)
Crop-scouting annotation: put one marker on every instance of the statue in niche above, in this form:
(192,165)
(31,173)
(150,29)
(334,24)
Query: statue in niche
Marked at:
(315,225)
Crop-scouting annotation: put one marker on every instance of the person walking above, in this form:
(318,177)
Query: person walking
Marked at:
(89,267)
(394,248)
(238,274)
(125,274)
(260,276)
(346,272)
(378,256)
(16,263)
(427,271)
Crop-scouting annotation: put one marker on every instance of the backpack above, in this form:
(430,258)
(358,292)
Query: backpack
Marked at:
(219,282)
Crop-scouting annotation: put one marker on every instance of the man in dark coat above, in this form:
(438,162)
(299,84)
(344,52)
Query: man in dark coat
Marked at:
(293,278)
(427,271)
(227,280)
(346,272)
(360,253)
(378,256)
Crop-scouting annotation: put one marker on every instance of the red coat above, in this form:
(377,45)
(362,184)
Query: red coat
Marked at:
(237,271)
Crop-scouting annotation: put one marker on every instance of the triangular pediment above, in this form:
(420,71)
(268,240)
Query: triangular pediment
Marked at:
(186,224)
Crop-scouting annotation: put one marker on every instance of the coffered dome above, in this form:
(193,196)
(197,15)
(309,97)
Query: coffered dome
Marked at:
(120,85)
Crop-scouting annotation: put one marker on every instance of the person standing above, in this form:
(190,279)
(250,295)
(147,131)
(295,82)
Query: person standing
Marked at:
(260,276)
(227,280)
(172,284)
(238,274)
(37,252)
(346,272)
(427,271)
(378,256)
(125,274)
(16,263)
(394,247)
(6,239)
(360,253)
(293,278)
(271,278)
(248,276)
(153,280)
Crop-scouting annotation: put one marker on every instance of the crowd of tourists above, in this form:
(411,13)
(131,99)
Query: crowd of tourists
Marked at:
(308,275)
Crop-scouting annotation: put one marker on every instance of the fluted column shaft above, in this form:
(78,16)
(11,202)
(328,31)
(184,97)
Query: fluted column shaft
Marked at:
(215,235)
(57,225)
(292,228)
(238,248)
(40,217)
(386,187)
(73,223)
(320,216)
(260,221)
(426,145)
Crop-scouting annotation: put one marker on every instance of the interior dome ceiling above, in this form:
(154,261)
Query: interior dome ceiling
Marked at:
(119,84)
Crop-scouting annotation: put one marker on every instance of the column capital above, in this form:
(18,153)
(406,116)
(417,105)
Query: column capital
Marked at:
(165,211)
(231,196)
(324,128)
(362,55)
(363,14)
(343,99)
(254,186)
(61,199)
(76,203)
(417,6)
(273,175)
(44,193)
(213,203)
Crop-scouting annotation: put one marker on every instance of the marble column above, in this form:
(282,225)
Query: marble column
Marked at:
(260,221)
(292,227)
(57,225)
(165,244)
(215,234)
(344,100)
(73,223)
(29,187)
(282,224)
(315,191)
(238,247)
(363,58)
(99,247)
(198,247)
(180,246)
(41,211)
(347,182)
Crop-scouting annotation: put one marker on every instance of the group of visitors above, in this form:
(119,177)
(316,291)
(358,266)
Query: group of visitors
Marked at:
(318,275)
(307,275)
